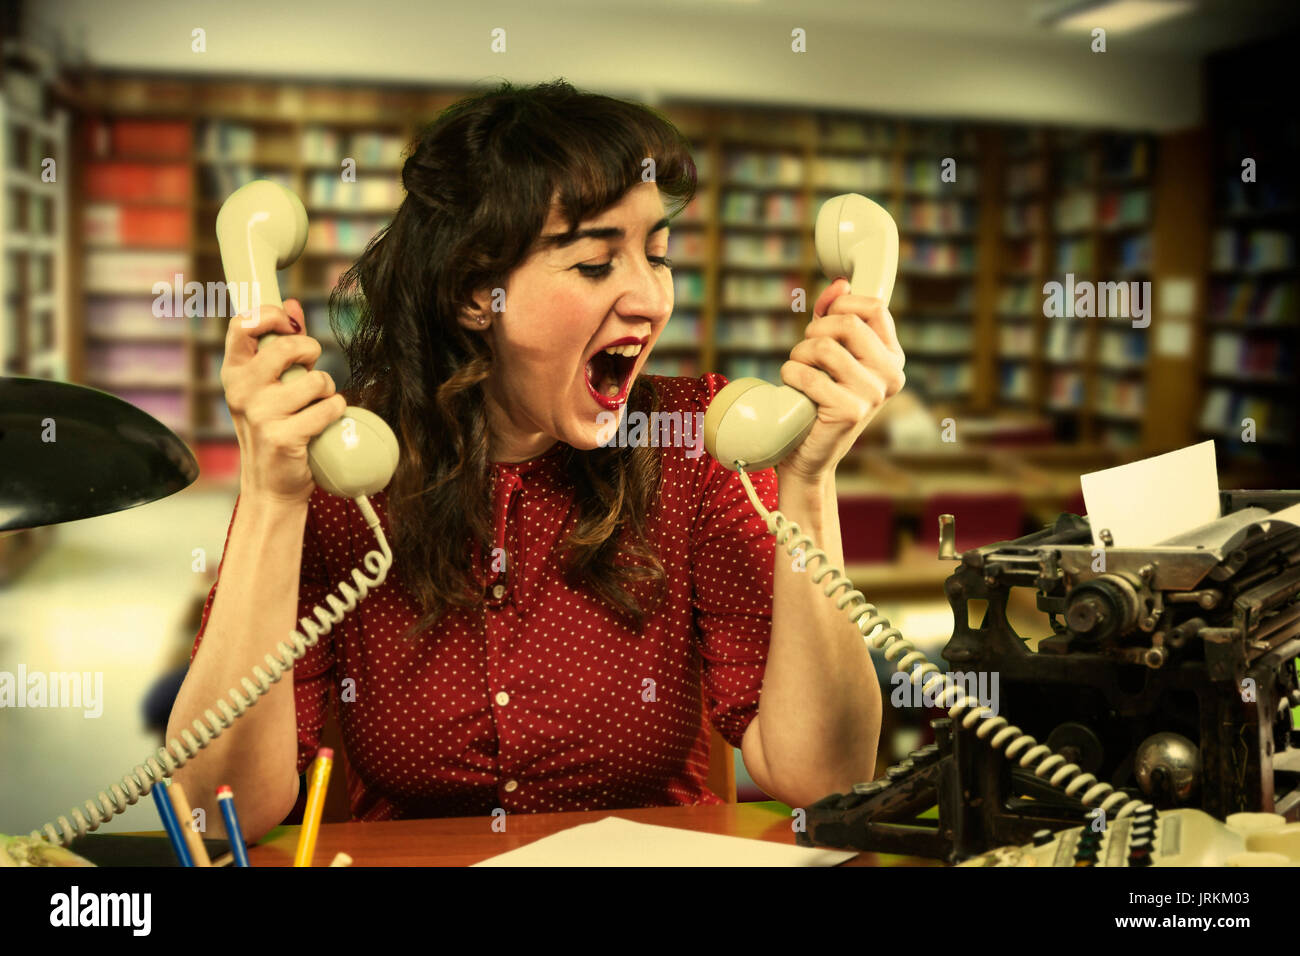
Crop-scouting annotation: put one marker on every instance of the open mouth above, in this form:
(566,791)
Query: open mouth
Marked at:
(609,372)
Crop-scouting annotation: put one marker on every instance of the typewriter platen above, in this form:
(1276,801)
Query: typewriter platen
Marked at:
(1170,674)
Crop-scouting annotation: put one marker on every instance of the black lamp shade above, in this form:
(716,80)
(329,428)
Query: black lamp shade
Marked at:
(107,454)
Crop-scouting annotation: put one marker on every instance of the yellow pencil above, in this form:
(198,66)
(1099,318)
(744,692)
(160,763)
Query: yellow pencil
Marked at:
(185,817)
(320,778)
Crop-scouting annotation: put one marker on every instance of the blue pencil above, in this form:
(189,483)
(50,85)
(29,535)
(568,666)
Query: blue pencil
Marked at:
(226,797)
(170,823)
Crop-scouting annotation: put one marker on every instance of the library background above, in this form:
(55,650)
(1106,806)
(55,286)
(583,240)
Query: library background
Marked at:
(145,159)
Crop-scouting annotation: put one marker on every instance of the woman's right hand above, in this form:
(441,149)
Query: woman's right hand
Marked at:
(274,421)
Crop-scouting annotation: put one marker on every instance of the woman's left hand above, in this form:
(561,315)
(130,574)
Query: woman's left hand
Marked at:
(851,338)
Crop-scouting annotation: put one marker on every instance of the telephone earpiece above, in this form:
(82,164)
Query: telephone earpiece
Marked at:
(262,227)
(757,424)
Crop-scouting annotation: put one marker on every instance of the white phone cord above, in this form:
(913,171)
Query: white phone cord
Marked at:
(139,782)
(1039,757)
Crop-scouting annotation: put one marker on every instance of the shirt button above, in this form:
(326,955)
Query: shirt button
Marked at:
(499,590)
(503,698)
(512,786)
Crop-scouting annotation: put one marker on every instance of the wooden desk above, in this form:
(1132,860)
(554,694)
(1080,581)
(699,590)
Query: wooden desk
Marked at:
(460,841)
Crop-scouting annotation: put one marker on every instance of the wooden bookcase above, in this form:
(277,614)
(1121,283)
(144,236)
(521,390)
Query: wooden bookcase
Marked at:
(1029,204)
(1251,346)
(34,189)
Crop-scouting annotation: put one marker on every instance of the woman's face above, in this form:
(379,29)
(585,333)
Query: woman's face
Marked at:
(562,308)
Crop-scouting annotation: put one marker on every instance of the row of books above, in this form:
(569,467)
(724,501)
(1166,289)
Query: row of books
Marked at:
(136,362)
(103,137)
(940,380)
(1123,158)
(125,181)
(1268,359)
(217,181)
(751,366)
(759,292)
(1015,382)
(1119,396)
(1019,218)
(1252,250)
(1064,341)
(929,255)
(1074,255)
(758,251)
(682,330)
(131,271)
(348,236)
(1134,253)
(759,331)
(1065,389)
(764,168)
(936,216)
(763,209)
(1083,209)
(847,132)
(1118,348)
(1251,301)
(220,139)
(688,288)
(1022,256)
(329,190)
(1025,178)
(1226,409)
(1271,194)
(686,247)
(367,148)
(853,173)
(929,175)
(118,225)
(1016,340)
(922,337)
(699,209)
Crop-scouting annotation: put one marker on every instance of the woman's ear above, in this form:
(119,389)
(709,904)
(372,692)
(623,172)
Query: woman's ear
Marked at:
(478,318)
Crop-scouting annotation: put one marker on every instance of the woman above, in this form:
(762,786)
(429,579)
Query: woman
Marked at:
(561,615)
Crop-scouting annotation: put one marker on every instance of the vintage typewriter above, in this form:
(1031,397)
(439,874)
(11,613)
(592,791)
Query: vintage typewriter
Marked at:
(1170,675)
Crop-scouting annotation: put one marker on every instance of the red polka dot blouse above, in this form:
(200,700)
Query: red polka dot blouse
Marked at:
(540,699)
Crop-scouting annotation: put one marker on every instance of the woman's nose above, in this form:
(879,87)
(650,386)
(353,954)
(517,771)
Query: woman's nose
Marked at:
(648,294)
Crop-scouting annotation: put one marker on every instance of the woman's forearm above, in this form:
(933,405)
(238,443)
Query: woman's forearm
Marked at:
(820,710)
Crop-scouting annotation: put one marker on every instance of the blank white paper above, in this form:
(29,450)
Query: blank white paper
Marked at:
(1145,502)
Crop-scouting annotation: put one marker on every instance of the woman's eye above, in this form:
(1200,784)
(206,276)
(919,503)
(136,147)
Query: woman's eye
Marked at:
(603,269)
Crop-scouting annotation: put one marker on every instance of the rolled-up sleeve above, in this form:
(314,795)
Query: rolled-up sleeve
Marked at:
(732,578)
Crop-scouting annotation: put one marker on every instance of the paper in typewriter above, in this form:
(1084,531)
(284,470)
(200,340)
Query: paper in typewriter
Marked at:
(1145,502)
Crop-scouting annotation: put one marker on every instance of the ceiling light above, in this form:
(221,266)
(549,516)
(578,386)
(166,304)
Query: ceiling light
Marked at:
(1114,16)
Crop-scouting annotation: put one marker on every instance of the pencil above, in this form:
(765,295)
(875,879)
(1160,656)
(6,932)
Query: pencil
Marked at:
(185,819)
(320,778)
(168,815)
(226,797)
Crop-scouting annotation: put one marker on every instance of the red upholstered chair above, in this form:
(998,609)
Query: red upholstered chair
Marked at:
(867,528)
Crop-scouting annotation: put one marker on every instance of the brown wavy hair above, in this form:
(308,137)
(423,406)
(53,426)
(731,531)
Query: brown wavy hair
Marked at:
(480,182)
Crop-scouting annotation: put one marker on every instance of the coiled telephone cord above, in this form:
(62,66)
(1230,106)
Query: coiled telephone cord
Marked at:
(1006,738)
(162,764)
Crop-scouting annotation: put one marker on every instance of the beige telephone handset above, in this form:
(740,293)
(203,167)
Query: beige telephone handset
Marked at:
(261,227)
(752,425)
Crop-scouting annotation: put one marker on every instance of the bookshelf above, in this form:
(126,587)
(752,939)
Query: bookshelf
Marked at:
(160,158)
(34,330)
(1022,269)
(1029,205)
(1252,322)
